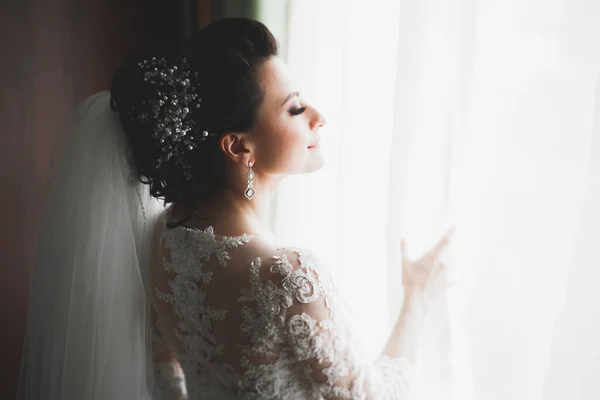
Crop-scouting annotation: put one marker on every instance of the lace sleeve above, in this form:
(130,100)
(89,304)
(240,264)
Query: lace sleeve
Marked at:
(169,381)
(318,332)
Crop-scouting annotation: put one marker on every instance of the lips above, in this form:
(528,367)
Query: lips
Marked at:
(315,145)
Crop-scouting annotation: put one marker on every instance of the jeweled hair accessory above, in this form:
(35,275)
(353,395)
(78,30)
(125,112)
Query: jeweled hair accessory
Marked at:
(175,131)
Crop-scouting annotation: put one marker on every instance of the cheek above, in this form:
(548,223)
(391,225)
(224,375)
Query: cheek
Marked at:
(283,149)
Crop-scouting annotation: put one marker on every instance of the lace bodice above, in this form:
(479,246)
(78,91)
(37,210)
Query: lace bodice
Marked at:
(248,321)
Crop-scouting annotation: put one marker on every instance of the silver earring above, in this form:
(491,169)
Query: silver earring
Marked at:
(250,191)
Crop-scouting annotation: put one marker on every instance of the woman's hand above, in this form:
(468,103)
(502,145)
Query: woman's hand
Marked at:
(423,279)
(427,277)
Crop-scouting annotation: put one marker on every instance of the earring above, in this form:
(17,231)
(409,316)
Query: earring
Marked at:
(250,191)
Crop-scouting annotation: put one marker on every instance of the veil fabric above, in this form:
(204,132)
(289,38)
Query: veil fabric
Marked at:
(87,334)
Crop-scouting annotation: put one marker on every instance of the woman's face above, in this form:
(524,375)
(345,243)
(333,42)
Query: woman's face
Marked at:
(286,136)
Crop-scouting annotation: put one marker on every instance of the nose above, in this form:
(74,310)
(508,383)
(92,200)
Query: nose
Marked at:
(318,120)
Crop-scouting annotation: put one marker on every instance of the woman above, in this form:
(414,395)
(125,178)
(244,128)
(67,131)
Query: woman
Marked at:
(212,126)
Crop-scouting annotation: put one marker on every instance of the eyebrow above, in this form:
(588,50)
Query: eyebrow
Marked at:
(290,96)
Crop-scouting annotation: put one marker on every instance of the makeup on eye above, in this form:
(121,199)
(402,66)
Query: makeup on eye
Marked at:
(296,110)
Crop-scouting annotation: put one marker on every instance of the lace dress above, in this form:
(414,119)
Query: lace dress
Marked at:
(248,321)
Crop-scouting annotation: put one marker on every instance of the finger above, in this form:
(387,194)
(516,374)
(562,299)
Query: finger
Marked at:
(441,244)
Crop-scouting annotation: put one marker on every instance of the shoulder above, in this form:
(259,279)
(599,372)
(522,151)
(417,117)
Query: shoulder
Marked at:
(292,273)
(281,263)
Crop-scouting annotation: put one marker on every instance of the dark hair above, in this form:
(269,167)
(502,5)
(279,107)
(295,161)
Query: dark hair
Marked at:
(226,54)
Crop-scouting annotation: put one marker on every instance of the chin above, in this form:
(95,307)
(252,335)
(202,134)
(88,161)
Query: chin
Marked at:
(310,164)
(315,163)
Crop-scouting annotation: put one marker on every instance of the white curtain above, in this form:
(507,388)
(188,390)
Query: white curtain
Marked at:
(484,114)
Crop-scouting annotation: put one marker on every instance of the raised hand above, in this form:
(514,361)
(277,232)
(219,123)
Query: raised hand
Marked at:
(428,276)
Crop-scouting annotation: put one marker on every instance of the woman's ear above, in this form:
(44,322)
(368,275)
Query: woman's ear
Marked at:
(236,147)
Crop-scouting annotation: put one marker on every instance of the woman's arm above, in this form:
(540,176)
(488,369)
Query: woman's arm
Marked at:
(317,335)
(423,280)
(168,375)
(404,338)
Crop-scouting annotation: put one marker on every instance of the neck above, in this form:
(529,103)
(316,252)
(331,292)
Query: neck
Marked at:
(230,212)
(252,213)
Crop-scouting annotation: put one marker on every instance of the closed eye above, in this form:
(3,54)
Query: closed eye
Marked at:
(297,110)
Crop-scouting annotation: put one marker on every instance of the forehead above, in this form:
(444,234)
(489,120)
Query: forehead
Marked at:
(275,79)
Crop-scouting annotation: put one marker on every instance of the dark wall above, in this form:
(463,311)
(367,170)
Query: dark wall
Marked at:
(55,54)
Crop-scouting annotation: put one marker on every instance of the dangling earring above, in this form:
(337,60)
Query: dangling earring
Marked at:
(250,191)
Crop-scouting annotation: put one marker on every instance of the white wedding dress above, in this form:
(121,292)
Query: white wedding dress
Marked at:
(248,321)
(244,320)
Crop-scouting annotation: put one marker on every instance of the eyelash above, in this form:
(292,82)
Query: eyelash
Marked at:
(297,111)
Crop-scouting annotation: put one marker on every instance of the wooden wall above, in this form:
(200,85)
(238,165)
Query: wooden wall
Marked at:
(55,54)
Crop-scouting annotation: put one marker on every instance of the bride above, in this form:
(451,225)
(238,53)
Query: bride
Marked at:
(192,297)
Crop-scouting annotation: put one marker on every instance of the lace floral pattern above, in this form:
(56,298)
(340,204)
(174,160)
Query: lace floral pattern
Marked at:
(186,297)
(320,345)
(293,339)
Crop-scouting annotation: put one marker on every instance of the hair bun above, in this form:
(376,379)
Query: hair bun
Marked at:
(177,99)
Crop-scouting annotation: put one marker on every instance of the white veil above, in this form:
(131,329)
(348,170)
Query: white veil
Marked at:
(87,335)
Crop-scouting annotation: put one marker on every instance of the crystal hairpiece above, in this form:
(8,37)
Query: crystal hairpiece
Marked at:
(175,131)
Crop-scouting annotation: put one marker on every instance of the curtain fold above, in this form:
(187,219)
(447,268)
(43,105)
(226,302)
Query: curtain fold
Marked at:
(477,113)
(575,356)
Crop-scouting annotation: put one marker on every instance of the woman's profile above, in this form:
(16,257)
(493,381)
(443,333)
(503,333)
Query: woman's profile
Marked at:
(210,127)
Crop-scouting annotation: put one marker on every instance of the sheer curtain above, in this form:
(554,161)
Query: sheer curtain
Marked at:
(478,113)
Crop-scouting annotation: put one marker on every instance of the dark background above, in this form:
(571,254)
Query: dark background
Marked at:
(55,53)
